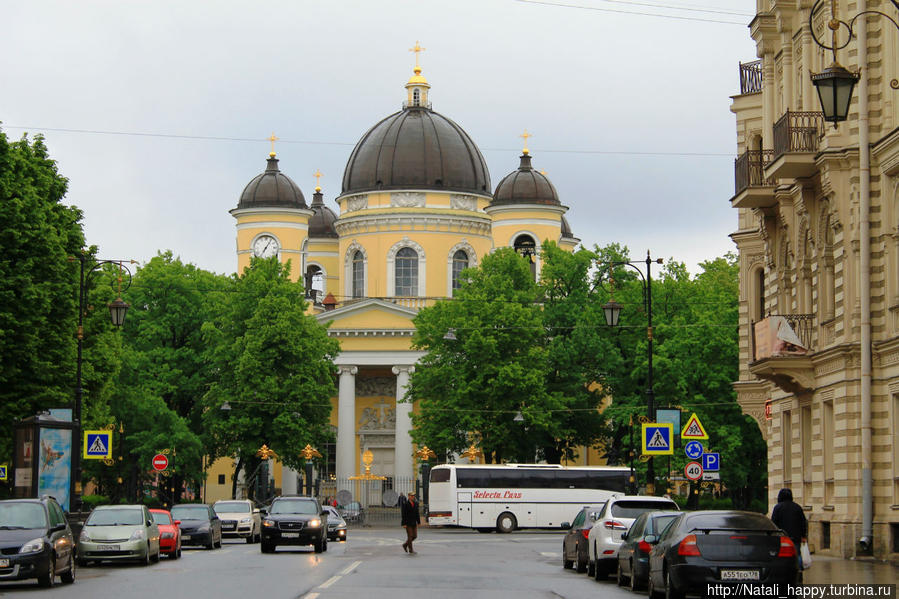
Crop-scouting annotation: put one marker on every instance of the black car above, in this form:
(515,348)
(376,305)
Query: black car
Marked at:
(633,553)
(720,547)
(295,521)
(574,545)
(200,525)
(35,541)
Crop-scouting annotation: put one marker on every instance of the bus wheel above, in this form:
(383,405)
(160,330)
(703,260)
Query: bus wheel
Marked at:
(506,522)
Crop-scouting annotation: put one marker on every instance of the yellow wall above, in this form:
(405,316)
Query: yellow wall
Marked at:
(289,227)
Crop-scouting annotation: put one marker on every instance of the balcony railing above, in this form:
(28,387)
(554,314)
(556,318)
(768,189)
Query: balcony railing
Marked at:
(750,77)
(749,170)
(782,335)
(798,132)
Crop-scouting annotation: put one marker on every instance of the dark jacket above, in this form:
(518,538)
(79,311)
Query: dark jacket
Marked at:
(409,514)
(788,516)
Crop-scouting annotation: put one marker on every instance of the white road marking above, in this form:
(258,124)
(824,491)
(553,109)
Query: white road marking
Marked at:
(329,582)
(310,595)
(350,568)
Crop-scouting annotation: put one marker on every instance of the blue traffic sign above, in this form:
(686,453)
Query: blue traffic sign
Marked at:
(657,439)
(693,450)
(3,472)
(711,462)
(97,445)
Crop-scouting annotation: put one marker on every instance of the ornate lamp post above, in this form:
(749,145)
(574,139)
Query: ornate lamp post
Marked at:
(612,311)
(307,453)
(424,454)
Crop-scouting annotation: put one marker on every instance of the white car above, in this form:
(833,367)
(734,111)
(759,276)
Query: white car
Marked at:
(239,519)
(615,518)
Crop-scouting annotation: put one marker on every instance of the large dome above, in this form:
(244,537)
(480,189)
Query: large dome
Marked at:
(271,189)
(416,148)
(525,186)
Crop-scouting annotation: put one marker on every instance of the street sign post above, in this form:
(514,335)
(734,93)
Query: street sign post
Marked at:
(658,438)
(97,445)
(694,429)
(693,450)
(160,462)
(711,462)
(693,470)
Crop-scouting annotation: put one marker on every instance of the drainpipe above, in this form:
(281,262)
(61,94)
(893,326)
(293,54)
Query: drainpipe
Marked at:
(864,166)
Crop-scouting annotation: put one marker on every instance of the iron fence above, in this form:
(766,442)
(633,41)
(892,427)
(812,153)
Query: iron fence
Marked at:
(798,132)
(751,77)
(749,170)
(370,502)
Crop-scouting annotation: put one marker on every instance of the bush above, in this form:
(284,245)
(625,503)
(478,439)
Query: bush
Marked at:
(89,502)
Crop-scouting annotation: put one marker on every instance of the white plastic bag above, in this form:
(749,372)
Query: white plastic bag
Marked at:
(806,556)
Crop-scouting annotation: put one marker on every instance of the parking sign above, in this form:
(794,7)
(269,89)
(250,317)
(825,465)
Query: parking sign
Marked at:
(711,462)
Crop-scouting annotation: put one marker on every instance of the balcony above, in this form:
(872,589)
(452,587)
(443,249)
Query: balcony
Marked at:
(781,345)
(752,189)
(751,77)
(796,139)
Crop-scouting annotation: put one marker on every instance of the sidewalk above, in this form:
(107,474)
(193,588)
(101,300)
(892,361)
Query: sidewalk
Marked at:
(826,570)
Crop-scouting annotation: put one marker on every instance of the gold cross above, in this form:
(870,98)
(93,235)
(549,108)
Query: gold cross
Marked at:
(525,135)
(317,174)
(416,49)
(272,139)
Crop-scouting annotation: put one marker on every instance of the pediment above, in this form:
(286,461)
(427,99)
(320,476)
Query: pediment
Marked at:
(369,314)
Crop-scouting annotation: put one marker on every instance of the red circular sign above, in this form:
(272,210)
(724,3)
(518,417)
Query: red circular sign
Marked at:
(160,462)
(693,470)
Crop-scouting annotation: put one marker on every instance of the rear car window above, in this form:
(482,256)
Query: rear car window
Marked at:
(160,518)
(730,521)
(631,508)
(190,512)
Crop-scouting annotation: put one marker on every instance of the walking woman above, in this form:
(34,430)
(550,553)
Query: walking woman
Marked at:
(410,520)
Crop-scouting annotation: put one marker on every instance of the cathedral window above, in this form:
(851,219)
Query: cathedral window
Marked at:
(527,248)
(314,282)
(416,97)
(460,263)
(406,273)
(358,274)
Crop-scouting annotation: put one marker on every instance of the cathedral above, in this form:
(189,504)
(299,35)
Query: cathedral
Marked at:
(416,208)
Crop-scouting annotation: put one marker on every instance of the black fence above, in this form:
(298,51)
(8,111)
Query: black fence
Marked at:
(370,502)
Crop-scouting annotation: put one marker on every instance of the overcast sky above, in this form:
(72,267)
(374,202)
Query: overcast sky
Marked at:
(629,110)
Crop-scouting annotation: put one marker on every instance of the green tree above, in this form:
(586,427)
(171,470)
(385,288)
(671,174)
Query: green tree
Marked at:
(272,364)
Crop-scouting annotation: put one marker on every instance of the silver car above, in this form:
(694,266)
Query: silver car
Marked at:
(239,519)
(119,532)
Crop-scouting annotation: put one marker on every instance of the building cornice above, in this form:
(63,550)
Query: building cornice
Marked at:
(270,212)
(506,208)
(413,220)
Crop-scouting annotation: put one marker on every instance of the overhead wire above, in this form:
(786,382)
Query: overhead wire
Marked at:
(637,13)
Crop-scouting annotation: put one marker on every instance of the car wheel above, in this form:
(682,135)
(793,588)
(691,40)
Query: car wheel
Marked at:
(266,547)
(176,554)
(218,544)
(601,571)
(634,583)
(145,561)
(671,592)
(210,544)
(568,564)
(319,546)
(591,567)
(620,575)
(326,545)
(650,588)
(69,577)
(581,566)
(82,562)
(47,579)
(251,539)
(506,523)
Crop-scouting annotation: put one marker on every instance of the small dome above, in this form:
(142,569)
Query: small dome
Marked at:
(271,189)
(525,186)
(566,228)
(321,224)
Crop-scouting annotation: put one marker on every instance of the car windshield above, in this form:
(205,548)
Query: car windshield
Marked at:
(294,507)
(231,507)
(161,518)
(115,517)
(633,508)
(22,515)
(190,512)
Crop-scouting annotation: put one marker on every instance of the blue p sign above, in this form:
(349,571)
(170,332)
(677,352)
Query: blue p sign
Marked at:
(711,462)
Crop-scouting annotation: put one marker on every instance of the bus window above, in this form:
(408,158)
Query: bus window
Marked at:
(440,475)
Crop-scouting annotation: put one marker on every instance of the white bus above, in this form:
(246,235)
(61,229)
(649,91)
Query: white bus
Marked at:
(510,496)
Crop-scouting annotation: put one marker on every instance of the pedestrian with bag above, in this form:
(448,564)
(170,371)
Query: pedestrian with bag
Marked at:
(788,516)
(410,520)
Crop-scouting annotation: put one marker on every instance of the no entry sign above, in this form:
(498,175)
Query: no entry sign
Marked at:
(160,462)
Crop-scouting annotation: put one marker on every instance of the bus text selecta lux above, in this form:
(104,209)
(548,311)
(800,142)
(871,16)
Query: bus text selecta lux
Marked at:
(506,497)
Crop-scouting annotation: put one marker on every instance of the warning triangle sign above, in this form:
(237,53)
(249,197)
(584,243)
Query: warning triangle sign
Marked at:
(658,441)
(98,446)
(694,429)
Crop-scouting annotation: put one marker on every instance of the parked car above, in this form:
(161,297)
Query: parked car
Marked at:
(240,519)
(633,554)
(119,532)
(35,541)
(295,521)
(336,524)
(351,512)
(200,525)
(574,545)
(615,518)
(720,547)
(169,533)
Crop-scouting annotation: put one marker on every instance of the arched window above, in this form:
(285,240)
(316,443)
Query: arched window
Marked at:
(416,97)
(527,247)
(358,274)
(406,273)
(314,282)
(460,262)
(759,295)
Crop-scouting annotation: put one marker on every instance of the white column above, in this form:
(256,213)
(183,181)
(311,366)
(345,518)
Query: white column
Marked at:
(402,466)
(346,422)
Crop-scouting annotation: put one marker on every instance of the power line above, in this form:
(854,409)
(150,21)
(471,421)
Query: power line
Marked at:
(638,13)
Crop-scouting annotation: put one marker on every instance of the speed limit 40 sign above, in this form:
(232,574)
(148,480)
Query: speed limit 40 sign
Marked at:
(693,470)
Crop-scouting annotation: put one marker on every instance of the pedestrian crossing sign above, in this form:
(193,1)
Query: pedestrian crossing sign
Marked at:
(694,429)
(3,471)
(97,445)
(657,438)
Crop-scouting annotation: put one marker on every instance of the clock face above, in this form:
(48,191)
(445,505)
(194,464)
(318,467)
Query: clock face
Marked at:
(265,246)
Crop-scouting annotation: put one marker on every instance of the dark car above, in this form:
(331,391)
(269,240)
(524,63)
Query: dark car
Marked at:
(633,553)
(720,547)
(200,525)
(35,541)
(574,545)
(295,521)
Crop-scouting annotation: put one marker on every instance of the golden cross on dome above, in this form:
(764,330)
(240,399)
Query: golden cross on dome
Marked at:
(525,136)
(318,175)
(272,139)
(543,172)
(417,49)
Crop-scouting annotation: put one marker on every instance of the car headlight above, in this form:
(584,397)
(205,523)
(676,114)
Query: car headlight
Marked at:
(246,520)
(32,546)
(84,537)
(138,535)
(268,523)
(315,523)
(168,535)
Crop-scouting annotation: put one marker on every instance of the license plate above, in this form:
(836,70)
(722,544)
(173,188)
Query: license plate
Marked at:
(185,537)
(739,574)
(108,547)
(290,535)
(4,563)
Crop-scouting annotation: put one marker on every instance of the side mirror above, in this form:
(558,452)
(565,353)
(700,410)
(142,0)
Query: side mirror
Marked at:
(177,522)
(325,513)
(58,528)
(624,536)
(651,539)
(594,516)
(149,523)
(257,511)
(566,525)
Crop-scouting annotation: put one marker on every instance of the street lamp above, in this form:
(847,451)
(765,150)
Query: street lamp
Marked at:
(307,453)
(117,310)
(612,311)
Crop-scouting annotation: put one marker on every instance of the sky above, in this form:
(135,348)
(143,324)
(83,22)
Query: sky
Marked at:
(159,113)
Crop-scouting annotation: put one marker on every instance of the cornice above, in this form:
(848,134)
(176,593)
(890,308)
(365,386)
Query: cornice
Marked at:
(371,332)
(270,211)
(886,152)
(447,192)
(504,208)
(414,220)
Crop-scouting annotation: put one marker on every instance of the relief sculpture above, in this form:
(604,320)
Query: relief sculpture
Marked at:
(379,417)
